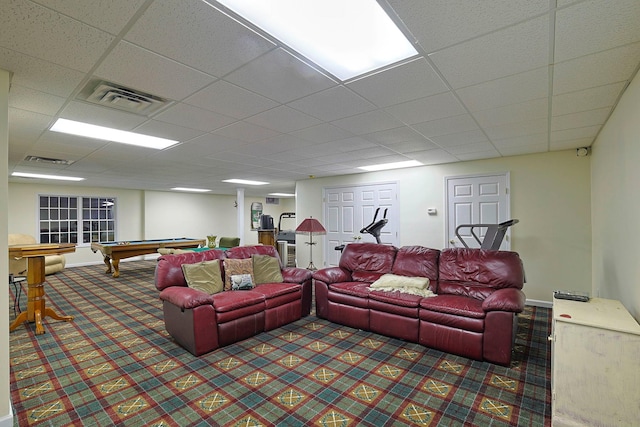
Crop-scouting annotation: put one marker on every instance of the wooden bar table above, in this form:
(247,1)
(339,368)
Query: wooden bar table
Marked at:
(36,302)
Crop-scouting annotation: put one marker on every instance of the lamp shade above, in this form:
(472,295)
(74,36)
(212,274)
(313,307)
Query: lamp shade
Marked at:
(312,226)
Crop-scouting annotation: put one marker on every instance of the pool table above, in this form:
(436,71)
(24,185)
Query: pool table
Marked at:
(113,252)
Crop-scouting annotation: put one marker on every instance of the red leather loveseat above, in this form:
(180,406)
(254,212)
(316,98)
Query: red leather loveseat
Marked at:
(478,293)
(201,322)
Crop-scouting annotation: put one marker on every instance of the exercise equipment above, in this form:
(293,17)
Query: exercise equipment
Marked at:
(493,236)
(376,226)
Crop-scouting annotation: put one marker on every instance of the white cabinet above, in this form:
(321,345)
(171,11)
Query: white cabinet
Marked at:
(595,352)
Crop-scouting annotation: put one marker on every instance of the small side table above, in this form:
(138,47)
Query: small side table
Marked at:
(36,301)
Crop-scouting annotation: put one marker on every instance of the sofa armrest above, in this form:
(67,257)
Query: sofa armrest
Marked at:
(506,299)
(185,298)
(295,275)
(332,275)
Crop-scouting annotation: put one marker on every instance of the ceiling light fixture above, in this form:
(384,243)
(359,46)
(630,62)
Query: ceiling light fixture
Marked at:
(109,134)
(195,190)
(387,166)
(244,181)
(346,38)
(282,194)
(44,176)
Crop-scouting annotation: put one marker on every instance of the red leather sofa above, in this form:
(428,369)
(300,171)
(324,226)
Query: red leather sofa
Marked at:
(473,315)
(201,322)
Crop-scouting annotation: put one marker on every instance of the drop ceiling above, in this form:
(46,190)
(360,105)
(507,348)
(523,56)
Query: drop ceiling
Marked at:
(493,78)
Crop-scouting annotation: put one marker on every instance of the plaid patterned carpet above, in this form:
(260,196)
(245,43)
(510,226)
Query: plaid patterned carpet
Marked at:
(114,364)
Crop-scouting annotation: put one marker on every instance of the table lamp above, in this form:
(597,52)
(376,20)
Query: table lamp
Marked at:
(313,227)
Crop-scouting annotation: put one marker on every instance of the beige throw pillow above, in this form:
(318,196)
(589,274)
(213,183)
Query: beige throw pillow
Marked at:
(236,266)
(266,269)
(204,276)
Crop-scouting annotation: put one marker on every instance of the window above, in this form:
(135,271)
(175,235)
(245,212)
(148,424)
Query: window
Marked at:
(77,219)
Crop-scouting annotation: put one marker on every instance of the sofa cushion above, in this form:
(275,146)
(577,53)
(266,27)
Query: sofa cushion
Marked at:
(417,261)
(355,289)
(204,276)
(367,258)
(233,267)
(493,269)
(454,304)
(266,269)
(240,252)
(230,301)
(396,298)
(169,267)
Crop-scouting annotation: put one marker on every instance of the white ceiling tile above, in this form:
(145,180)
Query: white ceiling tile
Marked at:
(513,50)
(38,74)
(581,119)
(198,35)
(472,154)
(427,109)
(372,121)
(231,100)
(571,143)
(246,132)
(280,76)
(523,149)
(509,90)
(324,132)
(168,130)
(599,69)
(441,23)
(32,100)
(535,109)
(396,135)
(586,133)
(334,103)
(406,82)
(108,16)
(133,67)
(461,138)
(588,99)
(434,157)
(588,27)
(194,117)
(522,141)
(283,119)
(404,147)
(446,125)
(512,130)
(60,39)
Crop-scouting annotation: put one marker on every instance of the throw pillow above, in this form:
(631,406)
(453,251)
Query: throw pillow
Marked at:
(204,276)
(395,281)
(266,269)
(241,282)
(236,266)
(211,241)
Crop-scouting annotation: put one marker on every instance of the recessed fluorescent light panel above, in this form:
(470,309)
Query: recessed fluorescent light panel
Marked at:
(194,190)
(244,181)
(396,165)
(110,134)
(345,37)
(282,194)
(43,176)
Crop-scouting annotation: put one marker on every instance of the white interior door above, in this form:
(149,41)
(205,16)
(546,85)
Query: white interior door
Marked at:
(476,200)
(348,209)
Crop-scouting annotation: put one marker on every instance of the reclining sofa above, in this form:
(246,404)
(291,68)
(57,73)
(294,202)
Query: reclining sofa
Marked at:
(201,322)
(478,293)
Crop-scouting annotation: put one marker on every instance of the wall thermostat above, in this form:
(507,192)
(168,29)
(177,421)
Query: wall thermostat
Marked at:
(432,211)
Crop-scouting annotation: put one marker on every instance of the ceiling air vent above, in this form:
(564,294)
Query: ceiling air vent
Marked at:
(48,160)
(111,95)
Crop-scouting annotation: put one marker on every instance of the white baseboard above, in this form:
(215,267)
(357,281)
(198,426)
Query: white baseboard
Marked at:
(7,420)
(539,303)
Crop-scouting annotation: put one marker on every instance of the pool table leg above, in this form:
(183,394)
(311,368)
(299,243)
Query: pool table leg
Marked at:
(107,262)
(116,267)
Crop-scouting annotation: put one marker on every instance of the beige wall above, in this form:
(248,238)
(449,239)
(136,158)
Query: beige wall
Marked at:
(550,195)
(616,204)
